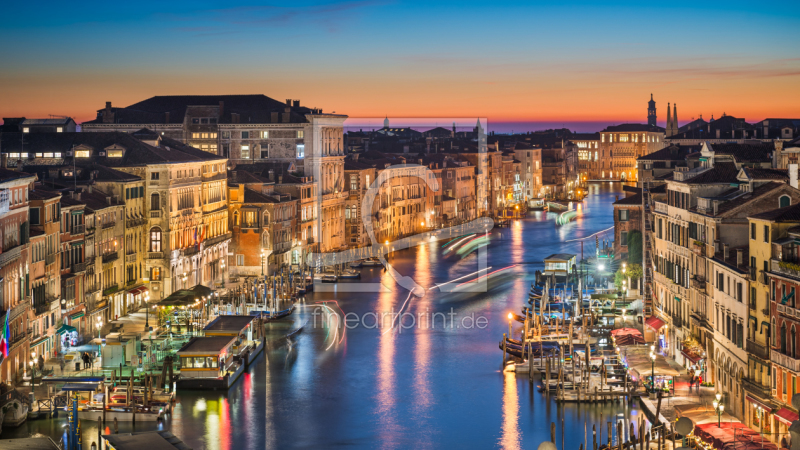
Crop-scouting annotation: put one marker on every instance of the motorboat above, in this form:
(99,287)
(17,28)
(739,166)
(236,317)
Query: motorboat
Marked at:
(349,274)
(371,262)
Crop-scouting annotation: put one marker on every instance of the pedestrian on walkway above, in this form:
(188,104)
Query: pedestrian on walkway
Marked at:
(61,363)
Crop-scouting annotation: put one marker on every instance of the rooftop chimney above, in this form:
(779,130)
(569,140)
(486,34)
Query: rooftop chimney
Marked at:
(108,114)
(793,175)
(288,102)
(296,103)
(274,117)
(739,256)
(221,108)
(725,252)
(235,117)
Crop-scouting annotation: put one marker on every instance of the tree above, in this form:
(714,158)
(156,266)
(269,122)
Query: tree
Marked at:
(632,272)
(635,246)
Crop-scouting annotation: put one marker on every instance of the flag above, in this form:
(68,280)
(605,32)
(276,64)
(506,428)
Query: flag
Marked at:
(5,339)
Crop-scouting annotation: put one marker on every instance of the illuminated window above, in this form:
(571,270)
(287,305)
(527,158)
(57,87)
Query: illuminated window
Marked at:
(59,130)
(301,150)
(246,152)
(82,153)
(115,153)
(26,130)
(155,274)
(299,134)
(195,135)
(38,155)
(265,135)
(623,138)
(155,239)
(57,155)
(602,137)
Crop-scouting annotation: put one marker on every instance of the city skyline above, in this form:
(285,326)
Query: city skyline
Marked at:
(517,71)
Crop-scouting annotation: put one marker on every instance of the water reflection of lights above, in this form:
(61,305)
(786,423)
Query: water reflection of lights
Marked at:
(511,435)
(200,405)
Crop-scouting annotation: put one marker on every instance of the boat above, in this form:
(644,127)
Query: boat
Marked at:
(371,262)
(356,264)
(273,315)
(329,278)
(349,274)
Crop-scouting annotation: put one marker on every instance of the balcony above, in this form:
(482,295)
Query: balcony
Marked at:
(756,388)
(784,360)
(216,239)
(109,257)
(130,223)
(789,269)
(5,201)
(787,310)
(10,255)
(110,290)
(78,267)
(698,248)
(50,259)
(91,289)
(757,350)
(662,208)
(699,282)
(130,258)
(77,229)
(155,255)
(41,308)
(155,214)
(189,251)
(108,225)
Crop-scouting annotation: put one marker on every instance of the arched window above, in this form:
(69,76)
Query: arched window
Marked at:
(783,338)
(236,218)
(772,333)
(266,219)
(155,202)
(265,240)
(784,201)
(155,239)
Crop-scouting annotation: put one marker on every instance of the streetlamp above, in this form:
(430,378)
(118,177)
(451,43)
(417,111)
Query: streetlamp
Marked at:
(263,258)
(652,368)
(33,369)
(147,310)
(719,408)
(510,317)
(99,325)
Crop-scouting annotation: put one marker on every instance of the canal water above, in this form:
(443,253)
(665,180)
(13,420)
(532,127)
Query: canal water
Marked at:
(396,384)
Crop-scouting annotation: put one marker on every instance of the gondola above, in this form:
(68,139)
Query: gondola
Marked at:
(273,315)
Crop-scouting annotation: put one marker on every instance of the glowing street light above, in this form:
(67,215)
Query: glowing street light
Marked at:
(719,408)
(510,318)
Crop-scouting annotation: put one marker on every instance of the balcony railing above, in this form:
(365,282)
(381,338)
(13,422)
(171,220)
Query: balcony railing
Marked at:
(155,214)
(785,268)
(130,258)
(91,289)
(108,225)
(78,267)
(77,229)
(699,282)
(757,350)
(50,259)
(10,255)
(41,308)
(189,251)
(784,360)
(155,255)
(216,239)
(662,208)
(756,388)
(130,223)
(110,290)
(109,257)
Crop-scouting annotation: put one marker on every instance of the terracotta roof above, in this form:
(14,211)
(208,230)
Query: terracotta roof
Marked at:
(632,200)
(787,214)
(745,152)
(722,172)
(9,175)
(758,173)
(633,127)
(670,153)
(749,197)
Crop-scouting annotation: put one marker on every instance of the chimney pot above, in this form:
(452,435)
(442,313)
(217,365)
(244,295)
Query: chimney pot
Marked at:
(725,252)
(296,103)
(288,102)
(739,256)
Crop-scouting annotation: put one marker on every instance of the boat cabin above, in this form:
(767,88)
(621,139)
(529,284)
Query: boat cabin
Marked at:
(231,326)
(560,265)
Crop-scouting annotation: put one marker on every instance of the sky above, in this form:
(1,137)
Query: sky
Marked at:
(522,65)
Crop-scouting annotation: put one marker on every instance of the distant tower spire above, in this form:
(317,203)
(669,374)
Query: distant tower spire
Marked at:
(669,118)
(386,122)
(651,112)
(674,119)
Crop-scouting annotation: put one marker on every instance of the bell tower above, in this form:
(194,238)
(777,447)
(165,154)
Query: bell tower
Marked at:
(651,112)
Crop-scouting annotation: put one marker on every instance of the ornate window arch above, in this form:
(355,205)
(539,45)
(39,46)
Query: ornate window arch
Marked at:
(155,239)
(155,202)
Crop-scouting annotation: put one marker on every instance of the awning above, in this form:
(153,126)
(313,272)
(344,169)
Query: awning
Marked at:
(691,356)
(758,403)
(82,387)
(654,322)
(786,416)
(100,309)
(138,290)
(677,299)
(65,328)
(77,315)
